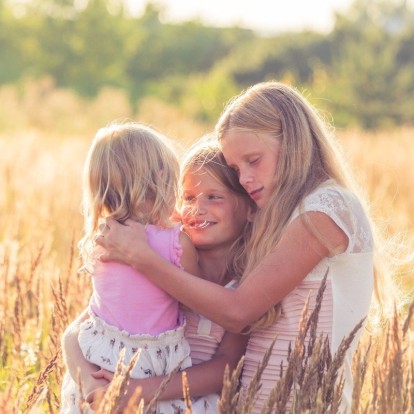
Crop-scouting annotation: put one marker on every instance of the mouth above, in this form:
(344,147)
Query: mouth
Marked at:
(256,193)
(200,225)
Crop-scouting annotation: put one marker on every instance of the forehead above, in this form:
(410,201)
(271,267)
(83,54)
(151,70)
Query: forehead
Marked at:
(201,177)
(241,143)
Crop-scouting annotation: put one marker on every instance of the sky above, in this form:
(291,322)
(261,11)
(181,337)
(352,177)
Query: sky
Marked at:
(265,16)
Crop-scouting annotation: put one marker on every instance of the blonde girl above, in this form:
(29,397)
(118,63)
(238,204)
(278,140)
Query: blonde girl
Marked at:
(310,222)
(216,213)
(131,173)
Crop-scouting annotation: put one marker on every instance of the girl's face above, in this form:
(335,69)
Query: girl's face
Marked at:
(211,214)
(254,156)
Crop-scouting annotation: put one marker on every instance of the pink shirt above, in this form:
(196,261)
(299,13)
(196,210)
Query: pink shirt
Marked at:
(126,299)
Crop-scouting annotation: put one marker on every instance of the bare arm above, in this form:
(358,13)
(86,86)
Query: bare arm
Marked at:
(189,257)
(78,366)
(296,254)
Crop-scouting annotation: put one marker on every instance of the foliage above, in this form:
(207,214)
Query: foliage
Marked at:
(362,71)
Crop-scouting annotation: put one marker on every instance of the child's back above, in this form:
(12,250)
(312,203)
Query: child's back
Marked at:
(126,299)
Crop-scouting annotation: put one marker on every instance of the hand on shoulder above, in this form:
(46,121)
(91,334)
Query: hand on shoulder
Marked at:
(124,243)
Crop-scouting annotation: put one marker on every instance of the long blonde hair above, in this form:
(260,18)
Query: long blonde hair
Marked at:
(206,156)
(131,172)
(308,156)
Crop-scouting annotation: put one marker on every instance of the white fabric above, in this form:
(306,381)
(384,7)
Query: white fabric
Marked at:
(351,272)
(159,355)
(101,344)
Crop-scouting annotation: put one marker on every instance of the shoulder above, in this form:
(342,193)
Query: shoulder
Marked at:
(330,195)
(344,208)
(331,199)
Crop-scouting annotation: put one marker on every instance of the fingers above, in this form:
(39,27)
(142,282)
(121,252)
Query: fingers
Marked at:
(110,222)
(103,230)
(103,227)
(102,373)
(95,396)
(97,237)
(97,374)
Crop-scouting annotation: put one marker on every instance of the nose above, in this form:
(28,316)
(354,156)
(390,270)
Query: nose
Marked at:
(245,178)
(199,206)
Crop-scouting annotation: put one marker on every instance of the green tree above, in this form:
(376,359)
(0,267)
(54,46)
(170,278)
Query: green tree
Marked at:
(166,51)
(83,47)
(372,76)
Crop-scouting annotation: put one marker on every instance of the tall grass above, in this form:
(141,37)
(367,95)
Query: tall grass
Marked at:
(45,137)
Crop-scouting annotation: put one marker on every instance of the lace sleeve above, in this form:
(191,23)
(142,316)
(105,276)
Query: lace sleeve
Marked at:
(344,208)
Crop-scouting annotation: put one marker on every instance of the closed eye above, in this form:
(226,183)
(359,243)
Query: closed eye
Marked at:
(235,169)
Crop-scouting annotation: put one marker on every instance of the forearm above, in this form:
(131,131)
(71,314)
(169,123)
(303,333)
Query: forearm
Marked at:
(203,379)
(225,309)
(207,377)
(278,273)
(78,366)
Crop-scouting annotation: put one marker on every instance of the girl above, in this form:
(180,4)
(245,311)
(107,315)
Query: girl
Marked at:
(310,222)
(131,173)
(216,213)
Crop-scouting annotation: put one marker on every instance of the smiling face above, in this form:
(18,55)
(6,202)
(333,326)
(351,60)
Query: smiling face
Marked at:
(212,215)
(254,156)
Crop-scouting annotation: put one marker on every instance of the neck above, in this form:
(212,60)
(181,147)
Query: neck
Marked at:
(213,265)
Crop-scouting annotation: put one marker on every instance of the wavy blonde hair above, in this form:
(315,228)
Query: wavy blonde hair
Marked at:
(131,172)
(308,156)
(205,156)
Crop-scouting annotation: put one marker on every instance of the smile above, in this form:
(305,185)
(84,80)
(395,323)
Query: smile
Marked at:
(255,193)
(200,225)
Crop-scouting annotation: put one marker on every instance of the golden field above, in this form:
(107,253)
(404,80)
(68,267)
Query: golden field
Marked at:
(44,136)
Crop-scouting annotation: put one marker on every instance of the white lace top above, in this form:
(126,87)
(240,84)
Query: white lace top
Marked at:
(346,299)
(351,272)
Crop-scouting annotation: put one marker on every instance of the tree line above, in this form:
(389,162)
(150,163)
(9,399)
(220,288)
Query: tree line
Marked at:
(362,72)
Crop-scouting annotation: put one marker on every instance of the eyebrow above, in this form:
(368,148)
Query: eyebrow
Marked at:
(209,190)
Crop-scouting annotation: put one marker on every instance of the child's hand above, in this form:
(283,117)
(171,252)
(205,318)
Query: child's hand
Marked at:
(103,374)
(125,243)
(92,384)
(101,381)
(95,396)
(147,388)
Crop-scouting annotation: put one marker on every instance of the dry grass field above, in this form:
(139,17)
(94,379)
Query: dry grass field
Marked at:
(40,222)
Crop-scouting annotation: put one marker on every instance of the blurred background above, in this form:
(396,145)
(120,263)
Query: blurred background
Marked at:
(353,59)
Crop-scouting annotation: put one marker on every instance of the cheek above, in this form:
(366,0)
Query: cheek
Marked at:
(186,213)
(236,218)
(176,215)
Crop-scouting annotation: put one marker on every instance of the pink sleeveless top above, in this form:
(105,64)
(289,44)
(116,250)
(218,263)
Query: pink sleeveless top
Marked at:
(126,299)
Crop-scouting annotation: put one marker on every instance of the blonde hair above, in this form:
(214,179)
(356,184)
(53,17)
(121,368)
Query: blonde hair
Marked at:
(308,156)
(131,172)
(206,157)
